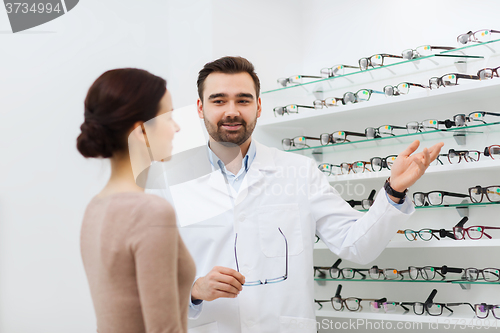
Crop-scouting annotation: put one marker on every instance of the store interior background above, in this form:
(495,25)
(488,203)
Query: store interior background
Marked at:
(46,72)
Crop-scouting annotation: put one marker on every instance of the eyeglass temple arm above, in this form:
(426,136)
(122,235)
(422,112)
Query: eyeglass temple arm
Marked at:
(355,133)
(311,76)
(417,85)
(404,271)
(390,55)
(349,66)
(377,91)
(443,47)
(311,138)
(457,304)
(441,155)
(446,307)
(496,31)
(286,254)
(359,271)
(491,227)
(319,301)
(235,255)
(457,195)
(436,269)
(466,76)
(305,106)
(402,304)
(491,113)
(353,203)
(321,267)
(432,233)
(487,235)
(397,127)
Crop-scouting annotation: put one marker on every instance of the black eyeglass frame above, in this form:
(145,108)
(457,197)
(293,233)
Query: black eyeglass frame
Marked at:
(426,201)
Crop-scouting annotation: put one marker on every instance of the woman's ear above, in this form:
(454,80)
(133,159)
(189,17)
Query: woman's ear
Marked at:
(139,133)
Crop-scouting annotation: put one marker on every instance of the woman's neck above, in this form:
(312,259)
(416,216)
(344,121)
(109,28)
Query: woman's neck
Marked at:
(122,177)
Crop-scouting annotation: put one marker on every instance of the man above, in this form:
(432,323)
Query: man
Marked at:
(250,223)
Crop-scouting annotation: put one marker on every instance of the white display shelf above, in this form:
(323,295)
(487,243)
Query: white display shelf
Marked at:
(411,317)
(405,244)
(385,106)
(447,168)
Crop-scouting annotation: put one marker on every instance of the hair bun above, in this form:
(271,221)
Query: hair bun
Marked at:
(94,140)
(117,100)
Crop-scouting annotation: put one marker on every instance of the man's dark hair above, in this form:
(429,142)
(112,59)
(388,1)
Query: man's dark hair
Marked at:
(227,65)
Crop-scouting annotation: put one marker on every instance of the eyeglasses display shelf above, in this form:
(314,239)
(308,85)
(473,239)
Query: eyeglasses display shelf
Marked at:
(485,91)
(432,135)
(415,105)
(404,244)
(407,281)
(465,53)
(448,168)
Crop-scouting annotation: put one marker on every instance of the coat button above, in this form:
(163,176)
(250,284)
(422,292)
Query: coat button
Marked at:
(242,217)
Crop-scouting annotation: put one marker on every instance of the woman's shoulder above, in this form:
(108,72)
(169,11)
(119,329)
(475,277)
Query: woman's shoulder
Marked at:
(143,207)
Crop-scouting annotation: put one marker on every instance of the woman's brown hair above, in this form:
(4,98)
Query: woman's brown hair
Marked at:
(115,102)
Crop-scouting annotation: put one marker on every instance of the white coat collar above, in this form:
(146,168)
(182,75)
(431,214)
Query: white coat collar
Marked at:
(264,158)
(263,161)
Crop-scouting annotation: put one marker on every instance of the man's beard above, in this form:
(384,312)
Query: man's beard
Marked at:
(238,137)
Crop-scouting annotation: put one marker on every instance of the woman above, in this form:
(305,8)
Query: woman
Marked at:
(139,271)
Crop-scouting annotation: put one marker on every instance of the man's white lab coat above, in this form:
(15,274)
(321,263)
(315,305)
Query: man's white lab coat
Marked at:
(281,190)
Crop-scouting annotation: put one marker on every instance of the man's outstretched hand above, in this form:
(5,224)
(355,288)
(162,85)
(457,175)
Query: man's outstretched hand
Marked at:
(408,168)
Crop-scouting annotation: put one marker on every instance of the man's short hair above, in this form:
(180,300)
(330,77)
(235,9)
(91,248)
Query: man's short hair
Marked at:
(227,65)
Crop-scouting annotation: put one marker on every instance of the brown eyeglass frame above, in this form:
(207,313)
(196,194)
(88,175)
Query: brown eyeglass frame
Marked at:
(483,190)
(457,76)
(369,60)
(493,72)
(350,167)
(487,151)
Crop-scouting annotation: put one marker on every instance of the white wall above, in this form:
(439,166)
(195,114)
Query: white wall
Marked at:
(45,73)
(341,32)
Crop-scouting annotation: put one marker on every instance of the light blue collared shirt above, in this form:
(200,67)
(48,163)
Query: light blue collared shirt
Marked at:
(397,205)
(234,180)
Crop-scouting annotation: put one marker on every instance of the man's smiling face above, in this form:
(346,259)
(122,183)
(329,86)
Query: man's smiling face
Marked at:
(230,107)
